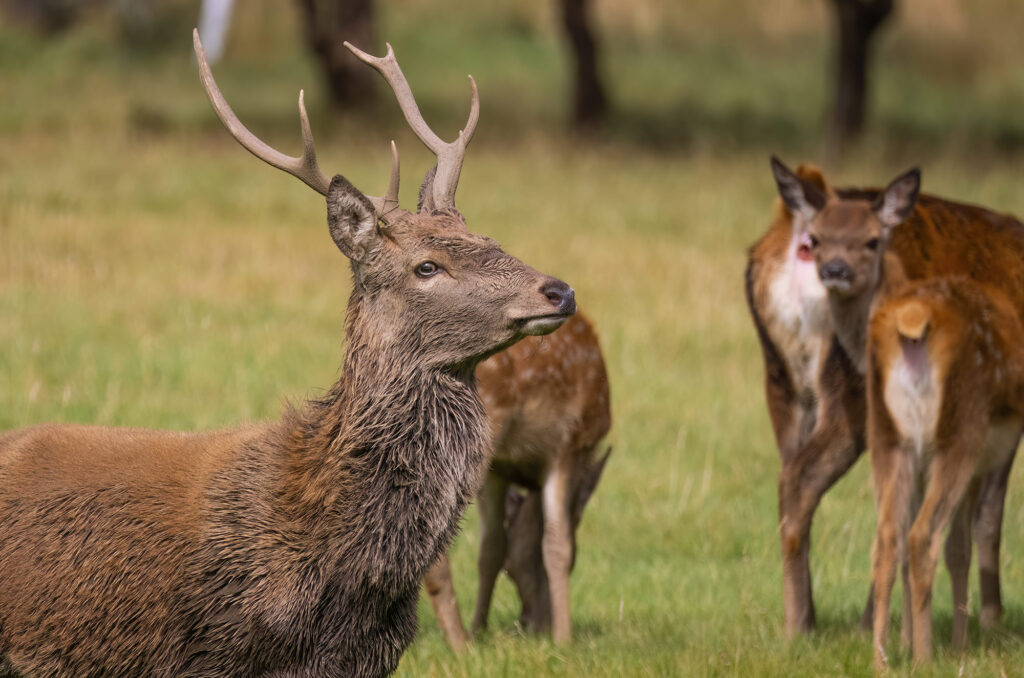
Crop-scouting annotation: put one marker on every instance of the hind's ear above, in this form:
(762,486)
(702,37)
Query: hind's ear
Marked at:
(811,173)
(351,220)
(897,201)
(801,196)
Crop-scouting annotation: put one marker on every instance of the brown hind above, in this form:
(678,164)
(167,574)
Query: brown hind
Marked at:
(292,548)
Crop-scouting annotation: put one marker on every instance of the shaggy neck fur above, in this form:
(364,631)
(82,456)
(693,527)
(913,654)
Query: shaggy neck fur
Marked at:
(395,450)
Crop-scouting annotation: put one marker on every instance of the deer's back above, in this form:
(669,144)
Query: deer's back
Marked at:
(944,238)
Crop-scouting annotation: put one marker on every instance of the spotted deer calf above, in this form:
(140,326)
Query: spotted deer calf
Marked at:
(812,280)
(946,406)
(547,402)
(291,548)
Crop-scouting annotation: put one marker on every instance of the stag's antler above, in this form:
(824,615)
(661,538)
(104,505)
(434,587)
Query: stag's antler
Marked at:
(449,155)
(303,167)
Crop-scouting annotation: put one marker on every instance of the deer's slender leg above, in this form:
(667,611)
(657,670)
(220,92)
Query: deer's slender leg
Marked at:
(823,456)
(893,478)
(441,590)
(988,529)
(493,544)
(869,610)
(804,480)
(958,562)
(907,620)
(950,477)
(556,547)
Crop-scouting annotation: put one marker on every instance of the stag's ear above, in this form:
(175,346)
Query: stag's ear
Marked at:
(800,196)
(896,202)
(351,220)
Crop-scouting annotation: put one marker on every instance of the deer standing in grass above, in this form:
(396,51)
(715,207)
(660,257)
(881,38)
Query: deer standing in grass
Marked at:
(867,247)
(812,333)
(946,406)
(547,400)
(293,548)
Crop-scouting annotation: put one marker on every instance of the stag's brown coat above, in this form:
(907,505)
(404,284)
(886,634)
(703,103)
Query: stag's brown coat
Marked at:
(294,548)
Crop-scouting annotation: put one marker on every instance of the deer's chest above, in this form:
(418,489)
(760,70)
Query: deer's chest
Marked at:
(798,320)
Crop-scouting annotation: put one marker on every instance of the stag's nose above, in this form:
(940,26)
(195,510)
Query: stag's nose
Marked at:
(836,270)
(560,295)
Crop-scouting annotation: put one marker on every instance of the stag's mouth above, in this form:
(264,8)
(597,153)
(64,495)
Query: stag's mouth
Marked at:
(541,324)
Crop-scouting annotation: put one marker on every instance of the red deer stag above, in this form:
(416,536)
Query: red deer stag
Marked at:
(548,404)
(945,406)
(814,385)
(293,548)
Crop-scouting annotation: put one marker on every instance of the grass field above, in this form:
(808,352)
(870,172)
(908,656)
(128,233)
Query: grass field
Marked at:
(154,274)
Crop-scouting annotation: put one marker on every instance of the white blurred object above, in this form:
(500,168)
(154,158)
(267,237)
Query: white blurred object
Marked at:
(214,19)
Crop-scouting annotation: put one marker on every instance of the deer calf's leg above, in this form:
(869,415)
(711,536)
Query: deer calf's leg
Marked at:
(883,567)
(493,544)
(958,562)
(988,529)
(441,590)
(945,490)
(556,548)
(893,490)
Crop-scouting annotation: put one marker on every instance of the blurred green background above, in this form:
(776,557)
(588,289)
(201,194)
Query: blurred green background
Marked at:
(152,273)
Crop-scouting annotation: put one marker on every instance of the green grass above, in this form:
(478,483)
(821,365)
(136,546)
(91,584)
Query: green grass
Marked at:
(153,274)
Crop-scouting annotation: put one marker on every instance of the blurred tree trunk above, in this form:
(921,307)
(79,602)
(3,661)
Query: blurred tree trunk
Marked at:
(857,21)
(327,24)
(46,16)
(589,101)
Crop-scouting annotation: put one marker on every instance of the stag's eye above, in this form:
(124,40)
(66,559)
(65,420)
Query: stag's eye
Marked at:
(872,244)
(427,269)
(814,241)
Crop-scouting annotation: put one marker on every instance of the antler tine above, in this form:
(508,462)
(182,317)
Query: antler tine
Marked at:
(474,112)
(390,199)
(304,167)
(449,155)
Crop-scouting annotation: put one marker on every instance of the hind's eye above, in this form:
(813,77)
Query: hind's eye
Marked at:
(814,241)
(427,269)
(872,244)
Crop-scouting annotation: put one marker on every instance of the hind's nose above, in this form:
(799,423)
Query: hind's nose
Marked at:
(560,295)
(836,270)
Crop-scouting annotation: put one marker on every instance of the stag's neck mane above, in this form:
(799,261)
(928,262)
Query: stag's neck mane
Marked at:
(395,450)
